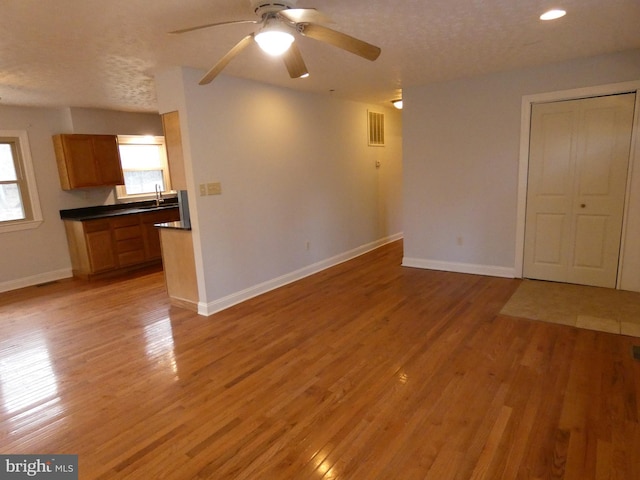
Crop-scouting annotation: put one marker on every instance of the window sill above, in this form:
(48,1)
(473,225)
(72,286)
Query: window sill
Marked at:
(14,226)
(144,196)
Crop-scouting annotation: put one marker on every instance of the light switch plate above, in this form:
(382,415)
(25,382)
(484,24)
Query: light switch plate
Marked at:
(214,188)
(203,189)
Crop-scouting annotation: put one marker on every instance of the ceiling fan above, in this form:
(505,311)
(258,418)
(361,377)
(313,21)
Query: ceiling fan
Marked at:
(279,19)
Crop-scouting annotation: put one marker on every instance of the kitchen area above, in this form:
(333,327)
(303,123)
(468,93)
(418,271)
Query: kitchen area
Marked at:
(115,238)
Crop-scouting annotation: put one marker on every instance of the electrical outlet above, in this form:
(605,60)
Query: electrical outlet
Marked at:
(214,188)
(203,189)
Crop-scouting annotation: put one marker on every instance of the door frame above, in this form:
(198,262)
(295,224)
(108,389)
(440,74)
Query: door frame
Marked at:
(523,163)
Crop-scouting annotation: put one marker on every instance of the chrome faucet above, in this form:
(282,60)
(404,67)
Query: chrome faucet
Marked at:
(159,198)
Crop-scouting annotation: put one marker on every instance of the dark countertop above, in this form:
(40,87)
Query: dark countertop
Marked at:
(105,211)
(180,225)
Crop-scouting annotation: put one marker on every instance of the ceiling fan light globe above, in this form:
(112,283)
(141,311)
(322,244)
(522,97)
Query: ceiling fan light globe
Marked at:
(274,42)
(553,14)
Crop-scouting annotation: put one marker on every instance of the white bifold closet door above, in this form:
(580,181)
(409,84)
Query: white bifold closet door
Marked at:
(578,163)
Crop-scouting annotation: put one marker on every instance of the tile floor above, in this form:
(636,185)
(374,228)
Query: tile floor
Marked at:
(592,308)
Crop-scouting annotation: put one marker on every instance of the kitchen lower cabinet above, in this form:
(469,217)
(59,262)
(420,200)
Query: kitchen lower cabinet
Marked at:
(113,245)
(150,234)
(97,235)
(128,243)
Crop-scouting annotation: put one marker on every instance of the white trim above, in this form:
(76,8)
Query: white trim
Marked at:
(17,225)
(633,163)
(35,280)
(474,269)
(223,303)
(32,187)
(523,163)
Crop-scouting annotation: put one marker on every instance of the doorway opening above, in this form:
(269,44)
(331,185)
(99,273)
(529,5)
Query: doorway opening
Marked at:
(585,221)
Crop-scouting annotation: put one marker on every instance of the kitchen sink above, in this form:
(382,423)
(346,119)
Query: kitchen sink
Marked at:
(156,207)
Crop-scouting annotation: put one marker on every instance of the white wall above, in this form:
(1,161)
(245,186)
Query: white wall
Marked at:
(111,122)
(294,168)
(461,144)
(33,256)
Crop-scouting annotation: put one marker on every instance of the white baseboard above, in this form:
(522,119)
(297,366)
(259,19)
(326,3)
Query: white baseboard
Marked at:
(223,303)
(489,270)
(35,279)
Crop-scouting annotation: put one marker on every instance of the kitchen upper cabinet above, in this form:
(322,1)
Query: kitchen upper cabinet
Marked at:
(107,159)
(88,160)
(173,143)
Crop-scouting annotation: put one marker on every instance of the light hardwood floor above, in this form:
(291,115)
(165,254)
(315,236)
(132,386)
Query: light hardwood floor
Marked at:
(367,370)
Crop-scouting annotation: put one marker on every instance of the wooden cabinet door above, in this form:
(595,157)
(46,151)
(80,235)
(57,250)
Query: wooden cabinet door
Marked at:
(100,247)
(151,234)
(151,242)
(79,159)
(88,160)
(107,159)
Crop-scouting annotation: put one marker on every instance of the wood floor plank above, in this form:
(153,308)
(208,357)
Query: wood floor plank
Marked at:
(366,370)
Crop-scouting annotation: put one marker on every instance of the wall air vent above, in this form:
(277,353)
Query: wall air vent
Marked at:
(376,129)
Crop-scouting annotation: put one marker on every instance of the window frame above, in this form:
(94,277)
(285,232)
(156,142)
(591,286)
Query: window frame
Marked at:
(26,180)
(121,190)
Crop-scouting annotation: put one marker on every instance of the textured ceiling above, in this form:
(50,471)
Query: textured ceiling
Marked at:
(104,53)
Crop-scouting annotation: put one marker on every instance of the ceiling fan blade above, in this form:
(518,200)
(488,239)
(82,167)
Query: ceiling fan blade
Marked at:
(218,67)
(294,62)
(304,15)
(199,27)
(340,40)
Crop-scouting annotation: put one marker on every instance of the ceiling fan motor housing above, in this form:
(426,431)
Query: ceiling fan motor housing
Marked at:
(262,8)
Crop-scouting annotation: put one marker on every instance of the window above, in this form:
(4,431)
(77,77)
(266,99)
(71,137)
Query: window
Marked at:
(19,204)
(144,165)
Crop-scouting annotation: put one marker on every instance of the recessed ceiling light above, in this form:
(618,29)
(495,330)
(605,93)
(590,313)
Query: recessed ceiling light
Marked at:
(553,14)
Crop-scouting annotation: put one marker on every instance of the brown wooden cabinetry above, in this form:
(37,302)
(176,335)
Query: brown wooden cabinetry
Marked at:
(113,244)
(179,267)
(128,244)
(97,235)
(88,160)
(173,144)
(151,235)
